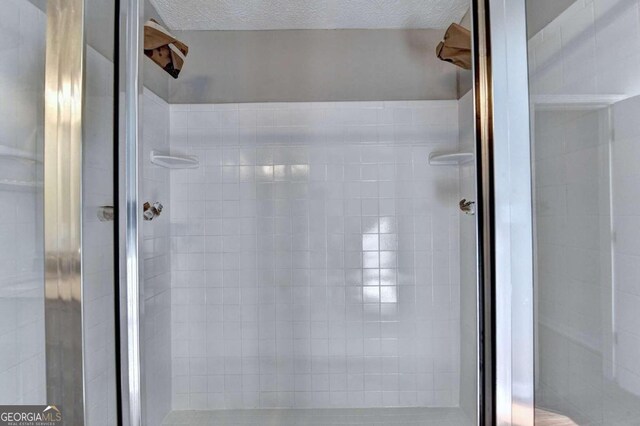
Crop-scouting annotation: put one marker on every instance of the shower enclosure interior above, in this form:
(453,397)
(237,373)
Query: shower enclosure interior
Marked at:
(310,261)
(311,257)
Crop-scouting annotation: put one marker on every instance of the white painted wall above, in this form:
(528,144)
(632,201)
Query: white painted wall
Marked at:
(312,66)
(315,257)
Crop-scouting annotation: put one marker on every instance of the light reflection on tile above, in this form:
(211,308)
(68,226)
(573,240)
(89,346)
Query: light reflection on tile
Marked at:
(371,260)
(299,288)
(300,172)
(371,277)
(370,225)
(388,242)
(264,173)
(388,259)
(370,242)
(388,225)
(388,294)
(388,277)
(371,294)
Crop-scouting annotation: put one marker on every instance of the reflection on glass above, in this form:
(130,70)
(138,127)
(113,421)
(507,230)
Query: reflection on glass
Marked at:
(585,134)
(22,321)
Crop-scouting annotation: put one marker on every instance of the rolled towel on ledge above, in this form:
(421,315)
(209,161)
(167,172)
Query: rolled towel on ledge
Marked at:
(163,48)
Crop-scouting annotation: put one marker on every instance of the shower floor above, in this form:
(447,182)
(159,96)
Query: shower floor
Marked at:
(321,417)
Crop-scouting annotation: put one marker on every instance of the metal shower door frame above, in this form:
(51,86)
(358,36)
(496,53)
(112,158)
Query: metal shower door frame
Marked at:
(130,38)
(505,214)
(64,97)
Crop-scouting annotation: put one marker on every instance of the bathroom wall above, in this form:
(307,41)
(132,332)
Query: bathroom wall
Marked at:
(315,256)
(591,48)
(156,273)
(587,309)
(312,65)
(22,359)
(574,278)
(541,12)
(626,246)
(468,265)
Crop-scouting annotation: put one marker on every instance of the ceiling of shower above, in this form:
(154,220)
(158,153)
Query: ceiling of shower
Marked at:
(309,14)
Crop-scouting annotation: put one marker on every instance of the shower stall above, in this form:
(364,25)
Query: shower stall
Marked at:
(311,263)
(306,217)
(307,265)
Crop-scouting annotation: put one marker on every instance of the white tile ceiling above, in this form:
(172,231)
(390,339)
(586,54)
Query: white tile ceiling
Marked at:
(308,14)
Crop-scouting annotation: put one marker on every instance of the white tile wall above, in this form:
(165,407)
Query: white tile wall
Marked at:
(591,48)
(586,226)
(97,249)
(22,362)
(156,330)
(315,257)
(574,256)
(333,417)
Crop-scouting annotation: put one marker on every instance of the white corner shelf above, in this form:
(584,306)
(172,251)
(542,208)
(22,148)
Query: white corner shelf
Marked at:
(15,153)
(174,161)
(450,158)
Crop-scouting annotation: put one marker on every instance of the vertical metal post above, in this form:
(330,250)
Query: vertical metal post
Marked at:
(483,110)
(64,95)
(131,302)
(505,213)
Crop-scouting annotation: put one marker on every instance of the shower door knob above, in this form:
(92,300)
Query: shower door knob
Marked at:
(468,207)
(105,213)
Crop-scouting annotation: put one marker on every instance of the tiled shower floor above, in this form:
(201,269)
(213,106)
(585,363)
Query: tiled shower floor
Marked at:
(321,417)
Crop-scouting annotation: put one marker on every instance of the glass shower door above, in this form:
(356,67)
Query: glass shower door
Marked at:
(22,319)
(57,326)
(585,132)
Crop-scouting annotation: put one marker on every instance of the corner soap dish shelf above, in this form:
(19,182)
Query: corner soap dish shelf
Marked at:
(174,161)
(450,158)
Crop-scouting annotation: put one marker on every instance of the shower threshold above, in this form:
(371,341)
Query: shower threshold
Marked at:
(321,417)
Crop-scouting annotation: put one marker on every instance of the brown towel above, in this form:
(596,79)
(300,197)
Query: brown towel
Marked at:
(456,47)
(163,48)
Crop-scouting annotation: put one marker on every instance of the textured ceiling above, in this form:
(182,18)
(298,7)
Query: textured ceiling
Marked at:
(308,14)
